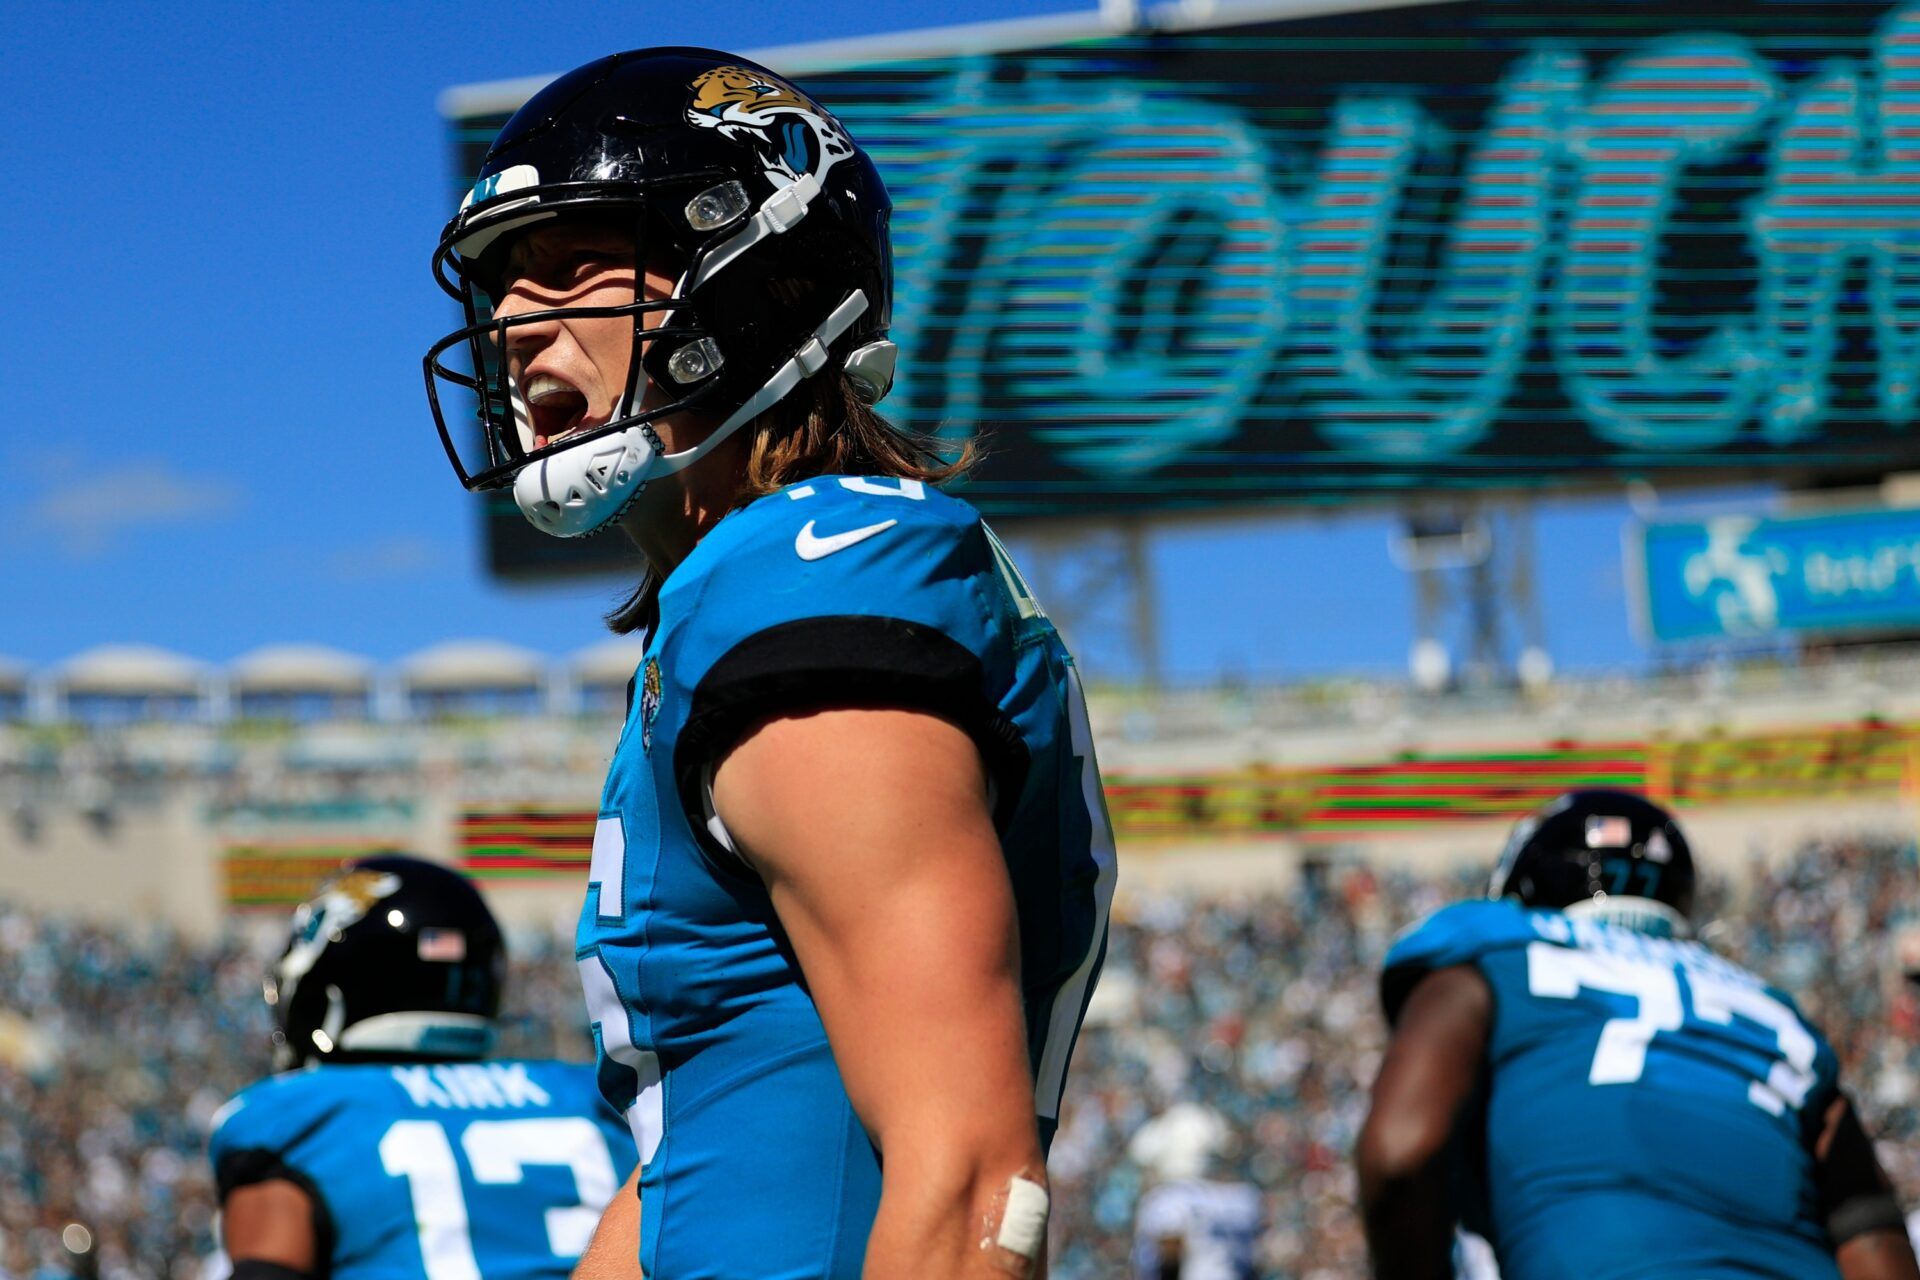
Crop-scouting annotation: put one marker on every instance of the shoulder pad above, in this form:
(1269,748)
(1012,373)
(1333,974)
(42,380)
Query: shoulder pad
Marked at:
(1458,934)
(795,569)
(270,1117)
(842,590)
(820,521)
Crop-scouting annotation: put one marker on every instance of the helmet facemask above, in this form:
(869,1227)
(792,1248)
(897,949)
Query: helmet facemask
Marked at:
(473,359)
(584,481)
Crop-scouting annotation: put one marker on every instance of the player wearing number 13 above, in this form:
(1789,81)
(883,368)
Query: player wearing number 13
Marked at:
(385,1149)
(1599,1096)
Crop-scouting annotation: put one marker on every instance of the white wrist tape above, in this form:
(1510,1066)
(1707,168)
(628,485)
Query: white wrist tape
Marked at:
(1023,1223)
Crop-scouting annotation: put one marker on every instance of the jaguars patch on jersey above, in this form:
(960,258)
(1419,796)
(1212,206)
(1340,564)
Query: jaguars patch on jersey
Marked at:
(838,591)
(495,1169)
(1647,1106)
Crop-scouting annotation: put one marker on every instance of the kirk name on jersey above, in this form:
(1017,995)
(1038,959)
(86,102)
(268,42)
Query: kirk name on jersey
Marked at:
(445,1171)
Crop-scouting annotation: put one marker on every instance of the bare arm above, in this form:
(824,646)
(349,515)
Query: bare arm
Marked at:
(1169,1253)
(871,830)
(1856,1197)
(270,1221)
(1431,1068)
(614,1251)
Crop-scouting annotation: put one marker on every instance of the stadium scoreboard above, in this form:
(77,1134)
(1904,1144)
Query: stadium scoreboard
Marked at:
(1433,247)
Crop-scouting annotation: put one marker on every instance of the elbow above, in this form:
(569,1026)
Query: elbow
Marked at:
(996,1199)
(1396,1151)
(976,1184)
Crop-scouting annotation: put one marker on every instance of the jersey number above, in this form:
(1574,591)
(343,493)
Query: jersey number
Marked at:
(498,1152)
(1621,1055)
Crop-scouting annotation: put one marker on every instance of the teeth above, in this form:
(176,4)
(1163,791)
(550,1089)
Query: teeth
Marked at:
(544,386)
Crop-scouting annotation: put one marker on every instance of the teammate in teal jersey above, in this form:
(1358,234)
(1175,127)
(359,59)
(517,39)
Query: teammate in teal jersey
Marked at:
(1573,1078)
(385,1147)
(850,881)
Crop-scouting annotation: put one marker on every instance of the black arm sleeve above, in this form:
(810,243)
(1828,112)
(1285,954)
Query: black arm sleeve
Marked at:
(257,1164)
(854,660)
(254,1269)
(1855,1195)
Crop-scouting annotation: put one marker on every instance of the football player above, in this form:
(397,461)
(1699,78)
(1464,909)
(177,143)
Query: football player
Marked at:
(850,882)
(1191,1224)
(385,1146)
(1600,1096)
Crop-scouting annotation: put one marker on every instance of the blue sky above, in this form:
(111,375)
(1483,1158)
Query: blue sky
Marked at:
(218,225)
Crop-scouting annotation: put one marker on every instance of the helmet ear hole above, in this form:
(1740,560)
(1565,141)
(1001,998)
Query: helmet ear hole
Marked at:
(791,291)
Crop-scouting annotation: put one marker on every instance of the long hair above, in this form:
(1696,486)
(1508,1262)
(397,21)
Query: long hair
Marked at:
(823,429)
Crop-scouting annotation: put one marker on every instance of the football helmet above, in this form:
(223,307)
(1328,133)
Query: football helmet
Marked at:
(1603,853)
(770,215)
(393,958)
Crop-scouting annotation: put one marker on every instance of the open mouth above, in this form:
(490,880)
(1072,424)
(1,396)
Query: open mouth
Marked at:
(558,408)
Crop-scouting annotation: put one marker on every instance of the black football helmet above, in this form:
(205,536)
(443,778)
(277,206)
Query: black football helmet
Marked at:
(771,216)
(393,959)
(1617,851)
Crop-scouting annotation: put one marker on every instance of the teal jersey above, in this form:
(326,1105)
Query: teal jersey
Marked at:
(840,591)
(453,1171)
(1648,1104)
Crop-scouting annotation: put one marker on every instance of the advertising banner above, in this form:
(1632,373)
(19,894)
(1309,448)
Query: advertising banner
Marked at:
(1822,573)
(1334,802)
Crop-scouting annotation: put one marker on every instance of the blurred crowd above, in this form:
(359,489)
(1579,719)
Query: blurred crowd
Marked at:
(116,1048)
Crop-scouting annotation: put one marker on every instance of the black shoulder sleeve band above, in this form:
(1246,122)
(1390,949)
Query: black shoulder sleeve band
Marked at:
(1396,985)
(254,1269)
(850,660)
(1853,1192)
(1862,1214)
(244,1168)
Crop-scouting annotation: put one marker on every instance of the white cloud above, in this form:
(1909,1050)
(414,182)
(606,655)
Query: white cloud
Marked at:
(88,511)
(401,556)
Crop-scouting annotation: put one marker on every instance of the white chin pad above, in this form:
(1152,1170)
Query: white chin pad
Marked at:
(580,490)
(1023,1221)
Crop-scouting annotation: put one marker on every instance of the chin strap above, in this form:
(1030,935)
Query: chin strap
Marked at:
(804,363)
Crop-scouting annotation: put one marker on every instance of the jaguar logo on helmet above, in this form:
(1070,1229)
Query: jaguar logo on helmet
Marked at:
(340,902)
(790,131)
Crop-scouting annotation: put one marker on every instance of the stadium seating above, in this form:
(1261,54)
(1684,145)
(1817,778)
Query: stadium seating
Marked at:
(117,1045)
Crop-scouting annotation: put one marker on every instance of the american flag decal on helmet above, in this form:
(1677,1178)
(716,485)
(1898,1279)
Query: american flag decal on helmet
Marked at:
(448,946)
(1609,832)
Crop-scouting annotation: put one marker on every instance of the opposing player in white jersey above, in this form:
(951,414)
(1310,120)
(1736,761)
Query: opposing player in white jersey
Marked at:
(1190,1224)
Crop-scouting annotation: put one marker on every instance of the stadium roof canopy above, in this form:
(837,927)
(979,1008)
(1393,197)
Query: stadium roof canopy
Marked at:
(132,670)
(610,661)
(300,668)
(461,665)
(1112,17)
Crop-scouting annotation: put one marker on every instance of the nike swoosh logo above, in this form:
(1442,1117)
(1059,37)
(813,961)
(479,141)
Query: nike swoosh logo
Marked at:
(809,547)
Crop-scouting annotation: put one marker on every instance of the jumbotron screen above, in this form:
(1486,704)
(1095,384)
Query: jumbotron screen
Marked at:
(1405,250)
